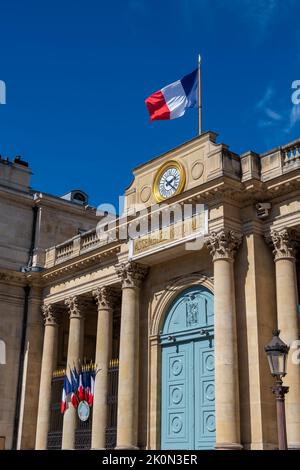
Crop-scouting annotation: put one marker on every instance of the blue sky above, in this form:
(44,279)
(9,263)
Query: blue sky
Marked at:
(77,74)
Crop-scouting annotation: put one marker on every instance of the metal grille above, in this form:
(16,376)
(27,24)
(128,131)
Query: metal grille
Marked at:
(83,433)
(112,401)
(56,418)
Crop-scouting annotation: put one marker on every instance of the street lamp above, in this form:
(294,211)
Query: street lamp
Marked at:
(277,352)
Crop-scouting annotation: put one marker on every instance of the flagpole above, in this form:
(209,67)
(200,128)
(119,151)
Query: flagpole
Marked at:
(199,97)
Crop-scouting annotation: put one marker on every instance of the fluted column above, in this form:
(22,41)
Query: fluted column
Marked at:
(105,298)
(131,275)
(75,351)
(288,324)
(49,361)
(222,246)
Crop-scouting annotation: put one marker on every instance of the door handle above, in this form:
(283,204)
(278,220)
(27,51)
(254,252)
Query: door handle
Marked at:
(171,338)
(204,332)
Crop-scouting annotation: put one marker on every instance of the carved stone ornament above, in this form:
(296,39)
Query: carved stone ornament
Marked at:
(106,297)
(223,244)
(75,307)
(50,315)
(284,242)
(131,273)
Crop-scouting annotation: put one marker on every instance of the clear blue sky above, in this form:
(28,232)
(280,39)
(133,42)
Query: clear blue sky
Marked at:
(78,72)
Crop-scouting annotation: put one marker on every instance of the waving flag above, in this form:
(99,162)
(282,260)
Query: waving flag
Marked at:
(80,385)
(74,385)
(86,383)
(66,391)
(91,395)
(172,101)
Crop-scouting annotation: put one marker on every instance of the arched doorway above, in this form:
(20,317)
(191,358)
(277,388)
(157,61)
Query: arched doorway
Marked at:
(188,389)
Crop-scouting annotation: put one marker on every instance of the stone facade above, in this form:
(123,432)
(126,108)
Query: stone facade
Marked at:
(106,299)
(30,222)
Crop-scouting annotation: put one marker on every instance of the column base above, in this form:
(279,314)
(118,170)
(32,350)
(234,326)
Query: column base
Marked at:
(228,446)
(127,447)
(294,446)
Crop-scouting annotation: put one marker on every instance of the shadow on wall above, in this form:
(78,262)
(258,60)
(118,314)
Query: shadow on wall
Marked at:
(2,352)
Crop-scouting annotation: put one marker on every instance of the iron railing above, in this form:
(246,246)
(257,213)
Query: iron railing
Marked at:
(83,433)
(112,402)
(56,418)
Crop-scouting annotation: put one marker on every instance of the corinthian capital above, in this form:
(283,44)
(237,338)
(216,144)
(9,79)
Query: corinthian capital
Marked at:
(223,244)
(284,242)
(75,307)
(106,297)
(50,315)
(131,274)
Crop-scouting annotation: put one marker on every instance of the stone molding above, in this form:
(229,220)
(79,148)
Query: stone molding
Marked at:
(284,242)
(106,297)
(131,274)
(223,244)
(50,315)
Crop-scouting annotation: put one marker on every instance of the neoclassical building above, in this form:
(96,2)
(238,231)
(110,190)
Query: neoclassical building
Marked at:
(175,314)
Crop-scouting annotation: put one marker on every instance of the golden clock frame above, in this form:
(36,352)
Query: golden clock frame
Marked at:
(155,188)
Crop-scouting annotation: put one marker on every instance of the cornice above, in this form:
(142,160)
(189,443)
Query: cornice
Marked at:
(12,277)
(47,200)
(175,152)
(283,184)
(20,279)
(21,198)
(80,263)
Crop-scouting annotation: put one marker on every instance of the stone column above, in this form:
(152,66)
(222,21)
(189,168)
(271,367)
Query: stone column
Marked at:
(288,324)
(49,361)
(222,246)
(75,351)
(105,298)
(131,275)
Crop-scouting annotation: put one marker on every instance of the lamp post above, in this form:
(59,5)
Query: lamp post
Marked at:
(277,352)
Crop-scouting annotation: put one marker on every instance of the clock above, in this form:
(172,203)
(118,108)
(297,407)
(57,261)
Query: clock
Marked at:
(169,180)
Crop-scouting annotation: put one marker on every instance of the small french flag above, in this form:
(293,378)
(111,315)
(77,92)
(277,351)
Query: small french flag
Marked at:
(67,388)
(74,386)
(91,394)
(172,101)
(80,385)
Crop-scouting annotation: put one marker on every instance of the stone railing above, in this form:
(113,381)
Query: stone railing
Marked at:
(153,238)
(280,160)
(64,250)
(76,246)
(291,153)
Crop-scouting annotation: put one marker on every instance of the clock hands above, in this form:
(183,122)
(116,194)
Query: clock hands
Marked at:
(169,183)
(173,187)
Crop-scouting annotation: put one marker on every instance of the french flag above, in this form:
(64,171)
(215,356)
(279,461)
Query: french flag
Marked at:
(74,386)
(91,394)
(172,101)
(86,384)
(66,391)
(80,386)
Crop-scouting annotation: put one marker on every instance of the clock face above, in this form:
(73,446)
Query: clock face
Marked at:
(169,180)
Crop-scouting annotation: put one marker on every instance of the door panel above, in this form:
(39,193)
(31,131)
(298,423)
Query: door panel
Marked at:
(177,389)
(204,394)
(188,387)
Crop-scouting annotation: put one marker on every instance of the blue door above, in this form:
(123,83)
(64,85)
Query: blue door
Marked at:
(188,396)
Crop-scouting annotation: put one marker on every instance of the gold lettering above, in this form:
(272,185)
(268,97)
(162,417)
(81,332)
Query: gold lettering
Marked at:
(168,234)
